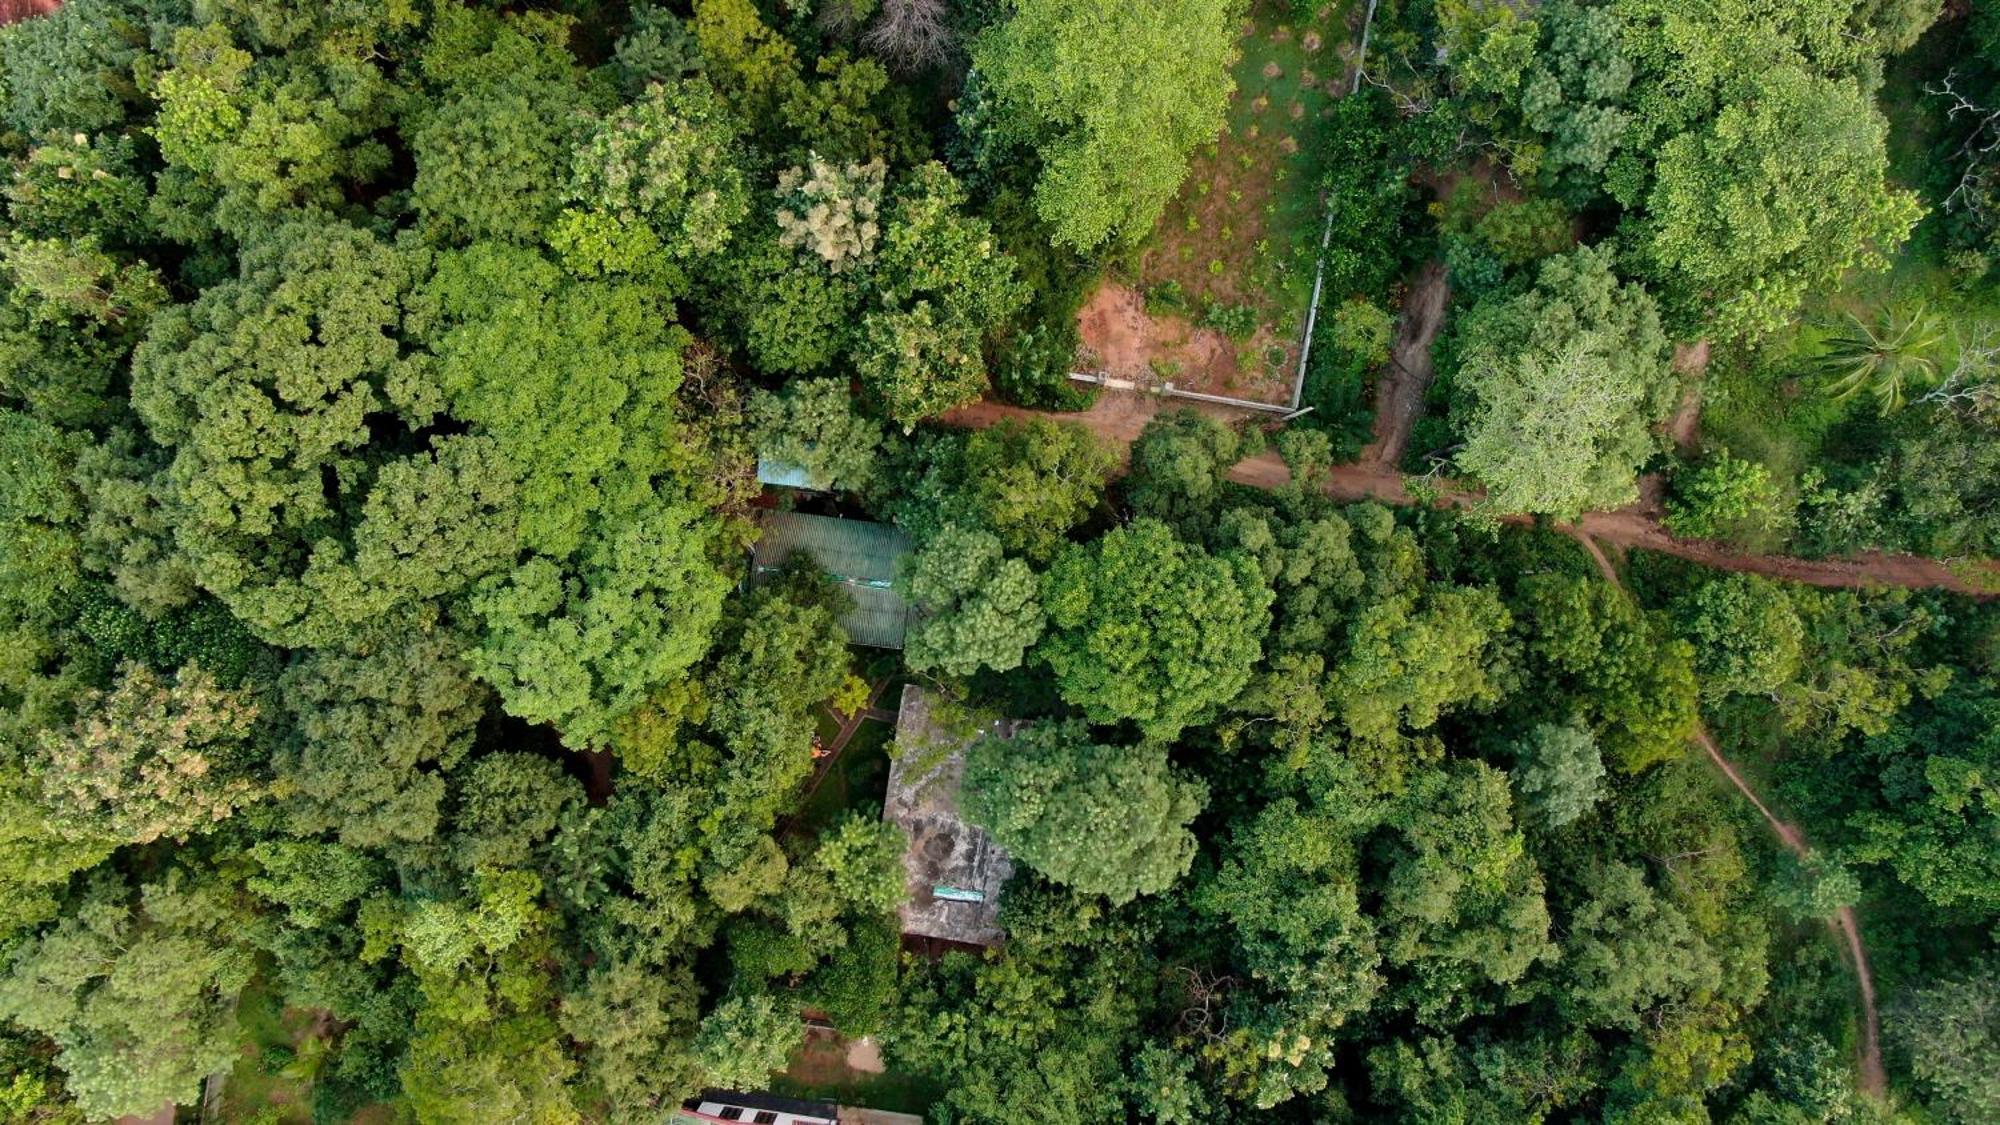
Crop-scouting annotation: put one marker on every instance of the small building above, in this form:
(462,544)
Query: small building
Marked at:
(860,555)
(774,473)
(734,1106)
(954,869)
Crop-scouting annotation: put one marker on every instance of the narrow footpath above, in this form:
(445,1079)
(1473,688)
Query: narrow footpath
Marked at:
(1845,924)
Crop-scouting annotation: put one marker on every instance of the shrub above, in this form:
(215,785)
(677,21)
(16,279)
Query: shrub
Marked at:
(1720,494)
(1234,321)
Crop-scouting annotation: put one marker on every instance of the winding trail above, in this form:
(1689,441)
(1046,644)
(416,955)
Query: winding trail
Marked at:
(1120,418)
(1845,924)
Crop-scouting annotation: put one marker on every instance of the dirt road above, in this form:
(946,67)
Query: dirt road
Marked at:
(1120,418)
(1399,395)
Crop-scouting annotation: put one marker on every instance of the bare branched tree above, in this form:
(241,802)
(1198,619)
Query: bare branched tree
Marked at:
(910,34)
(1978,150)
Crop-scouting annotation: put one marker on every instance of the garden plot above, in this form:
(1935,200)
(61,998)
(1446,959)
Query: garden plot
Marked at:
(1218,298)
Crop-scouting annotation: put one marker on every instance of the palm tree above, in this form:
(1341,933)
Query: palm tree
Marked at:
(1889,358)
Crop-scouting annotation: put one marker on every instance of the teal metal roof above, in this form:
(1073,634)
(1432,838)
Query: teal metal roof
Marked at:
(862,556)
(784,474)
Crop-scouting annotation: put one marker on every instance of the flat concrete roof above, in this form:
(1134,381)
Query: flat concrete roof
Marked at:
(944,853)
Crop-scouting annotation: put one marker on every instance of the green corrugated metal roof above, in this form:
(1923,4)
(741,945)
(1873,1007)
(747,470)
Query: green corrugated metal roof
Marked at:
(862,555)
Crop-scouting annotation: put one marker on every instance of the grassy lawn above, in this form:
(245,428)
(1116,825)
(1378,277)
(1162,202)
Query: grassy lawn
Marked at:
(898,1093)
(255,1092)
(857,782)
(1235,250)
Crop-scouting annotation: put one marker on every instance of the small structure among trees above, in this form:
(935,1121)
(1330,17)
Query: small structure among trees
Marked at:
(862,556)
(955,869)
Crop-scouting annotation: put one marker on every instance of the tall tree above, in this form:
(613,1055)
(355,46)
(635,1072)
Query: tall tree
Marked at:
(1566,382)
(1147,628)
(1112,98)
(1109,820)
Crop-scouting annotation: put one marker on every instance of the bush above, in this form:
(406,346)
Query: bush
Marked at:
(1234,321)
(1166,299)
(1721,495)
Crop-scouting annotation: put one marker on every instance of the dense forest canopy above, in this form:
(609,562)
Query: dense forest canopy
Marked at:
(394,726)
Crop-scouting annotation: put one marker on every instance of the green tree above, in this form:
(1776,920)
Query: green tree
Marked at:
(1559,772)
(263,389)
(862,859)
(1113,98)
(668,164)
(1147,628)
(1746,635)
(1953,1038)
(1566,382)
(152,758)
(374,727)
(978,608)
(1408,662)
(1721,493)
(918,362)
(1629,951)
(744,1040)
(138,992)
(1109,820)
(814,425)
(71,71)
(1890,358)
(637,1022)
(1744,219)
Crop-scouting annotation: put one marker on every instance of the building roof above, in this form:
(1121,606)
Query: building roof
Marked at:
(863,556)
(744,1106)
(784,474)
(954,869)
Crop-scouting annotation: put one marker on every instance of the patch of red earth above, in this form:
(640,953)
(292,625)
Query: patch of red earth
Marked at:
(1399,394)
(1684,428)
(14,11)
(1122,340)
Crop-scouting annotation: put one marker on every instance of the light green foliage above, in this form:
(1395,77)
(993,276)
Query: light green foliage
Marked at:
(831,211)
(56,280)
(1953,1037)
(1745,633)
(918,362)
(1113,97)
(753,65)
(1363,329)
(1109,820)
(1721,493)
(1029,484)
(1147,628)
(581,645)
(138,993)
(1408,662)
(1594,650)
(151,758)
(637,1020)
(744,1040)
(1745,220)
(1567,381)
(39,509)
(262,388)
(373,728)
(979,608)
(667,163)
(1558,772)
(1890,357)
(1813,888)
(315,883)
(1628,950)
(76,183)
(574,379)
(933,249)
(863,860)
(814,425)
